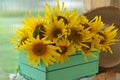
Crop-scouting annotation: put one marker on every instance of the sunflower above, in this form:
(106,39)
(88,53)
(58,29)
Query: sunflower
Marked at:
(22,35)
(95,24)
(83,20)
(62,13)
(77,35)
(96,38)
(41,49)
(107,38)
(74,35)
(36,26)
(55,29)
(87,51)
(65,50)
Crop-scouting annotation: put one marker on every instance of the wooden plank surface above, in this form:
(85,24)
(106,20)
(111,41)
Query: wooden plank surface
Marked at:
(108,75)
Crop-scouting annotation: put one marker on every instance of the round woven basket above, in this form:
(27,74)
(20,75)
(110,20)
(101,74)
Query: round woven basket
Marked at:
(109,16)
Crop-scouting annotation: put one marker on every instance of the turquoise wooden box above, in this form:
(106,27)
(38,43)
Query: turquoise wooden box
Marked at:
(75,68)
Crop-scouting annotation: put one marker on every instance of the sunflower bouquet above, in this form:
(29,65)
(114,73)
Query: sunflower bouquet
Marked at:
(60,33)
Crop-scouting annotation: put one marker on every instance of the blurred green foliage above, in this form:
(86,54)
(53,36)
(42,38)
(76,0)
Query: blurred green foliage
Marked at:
(19,13)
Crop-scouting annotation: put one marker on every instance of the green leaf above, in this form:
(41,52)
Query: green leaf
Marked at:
(36,32)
